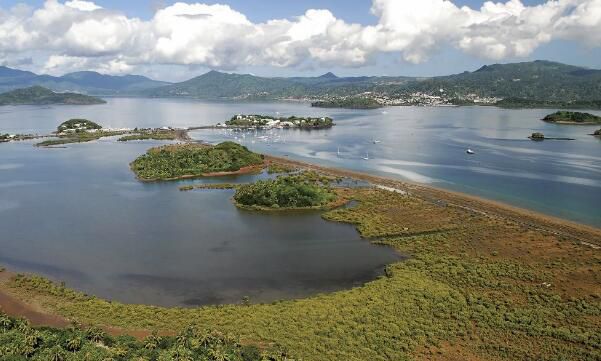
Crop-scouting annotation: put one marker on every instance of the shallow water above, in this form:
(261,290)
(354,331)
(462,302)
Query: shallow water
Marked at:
(77,214)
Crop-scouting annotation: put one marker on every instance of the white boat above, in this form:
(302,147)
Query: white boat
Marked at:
(366,156)
(377,141)
(338,152)
(470,151)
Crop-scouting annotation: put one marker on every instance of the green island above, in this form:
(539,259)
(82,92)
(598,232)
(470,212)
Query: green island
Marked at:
(534,103)
(566,117)
(181,161)
(265,121)
(79,131)
(306,190)
(4,138)
(37,95)
(537,136)
(155,134)
(348,103)
(20,341)
(597,133)
(481,283)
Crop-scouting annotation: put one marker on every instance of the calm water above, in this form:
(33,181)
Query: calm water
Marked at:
(77,214)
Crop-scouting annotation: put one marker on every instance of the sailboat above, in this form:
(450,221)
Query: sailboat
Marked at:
(338,152)
(366,156)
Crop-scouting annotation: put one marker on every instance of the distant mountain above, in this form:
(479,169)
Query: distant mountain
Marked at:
(214,85)
(83,82)
(38,95)
(540,80)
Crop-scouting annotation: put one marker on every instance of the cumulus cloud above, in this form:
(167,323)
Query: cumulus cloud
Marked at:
(79,34)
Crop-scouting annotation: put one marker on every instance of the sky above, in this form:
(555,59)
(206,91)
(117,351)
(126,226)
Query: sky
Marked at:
(174,41)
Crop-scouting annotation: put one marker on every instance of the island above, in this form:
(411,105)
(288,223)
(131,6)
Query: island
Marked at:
(165,133)
(597,133)
(266,122)
(80,131)
(566,117)
(307,190)
(348,103)
(181,161)
(5,138)
(37,95)
(537,136)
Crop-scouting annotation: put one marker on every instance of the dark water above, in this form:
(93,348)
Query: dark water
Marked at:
(78,215)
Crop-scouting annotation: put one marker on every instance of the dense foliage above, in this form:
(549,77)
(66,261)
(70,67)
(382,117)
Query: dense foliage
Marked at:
(190,160)
(349,103)
(305,190)
(597,132)
(572,117)
(78,125)
(537,136)
(38,95)
(19,341)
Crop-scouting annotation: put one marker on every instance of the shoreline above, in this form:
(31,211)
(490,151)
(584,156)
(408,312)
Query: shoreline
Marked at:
(586,233)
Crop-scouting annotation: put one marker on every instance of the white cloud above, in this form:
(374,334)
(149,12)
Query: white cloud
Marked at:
(80,33)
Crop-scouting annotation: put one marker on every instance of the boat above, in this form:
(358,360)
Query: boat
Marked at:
(377,141)
(338,152)
(366,156)
(470,151)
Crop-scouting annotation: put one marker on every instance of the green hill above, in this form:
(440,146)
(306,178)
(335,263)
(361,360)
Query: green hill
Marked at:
(537,80)
(38,95)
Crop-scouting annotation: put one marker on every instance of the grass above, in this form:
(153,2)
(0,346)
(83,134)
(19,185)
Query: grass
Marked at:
(474,288)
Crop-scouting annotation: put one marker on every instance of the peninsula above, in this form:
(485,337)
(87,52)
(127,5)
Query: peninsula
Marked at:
(566,117)
(37,95)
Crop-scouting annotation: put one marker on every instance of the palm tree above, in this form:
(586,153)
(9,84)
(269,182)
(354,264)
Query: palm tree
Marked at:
(5,323)
(74,344)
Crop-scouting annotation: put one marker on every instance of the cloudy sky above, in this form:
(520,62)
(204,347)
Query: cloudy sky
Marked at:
(171,40)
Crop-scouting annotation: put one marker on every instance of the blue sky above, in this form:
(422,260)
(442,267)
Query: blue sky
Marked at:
(444,57)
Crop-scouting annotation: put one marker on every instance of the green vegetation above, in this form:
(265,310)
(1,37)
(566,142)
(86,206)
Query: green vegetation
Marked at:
(151,135)
(79,137)
(208,186)
(77,125)
(305,190)
(38,95)
(348,103)
(534,103)
(15,137)
(537,136)
(572,118)
(261,121)
(278,168)
(20,341)
(597,133)
(474,288)
(193,160)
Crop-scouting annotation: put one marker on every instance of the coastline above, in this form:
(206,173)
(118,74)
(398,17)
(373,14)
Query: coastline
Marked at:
(533,243)
(463,200)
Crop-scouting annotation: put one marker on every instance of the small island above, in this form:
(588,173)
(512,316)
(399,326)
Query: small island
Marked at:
(348,103)
(267,122)
(566,117)
(537,136)
(597,133)
(181,161)
(37,95)
(5,138)
(307,190)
